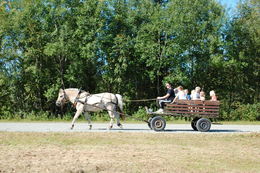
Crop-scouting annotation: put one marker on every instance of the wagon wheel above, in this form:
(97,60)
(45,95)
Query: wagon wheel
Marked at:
(203,124)
(158,123)
(149,122)
(193,123)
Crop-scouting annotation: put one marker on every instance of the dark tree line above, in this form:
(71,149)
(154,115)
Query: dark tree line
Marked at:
(129,47)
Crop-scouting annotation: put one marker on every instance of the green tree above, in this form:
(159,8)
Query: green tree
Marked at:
(242,60)
(128,47)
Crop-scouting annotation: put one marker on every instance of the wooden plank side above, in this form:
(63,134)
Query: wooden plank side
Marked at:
(189,102)
(184,112)
(190,106)
(212,103)
(192,109)
(197,102)
(191,115)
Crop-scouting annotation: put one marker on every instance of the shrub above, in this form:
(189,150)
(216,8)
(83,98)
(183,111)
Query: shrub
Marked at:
(248,112)
(5,113)
(141,114)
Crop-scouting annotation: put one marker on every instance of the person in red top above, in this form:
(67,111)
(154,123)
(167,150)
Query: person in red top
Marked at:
(213,95)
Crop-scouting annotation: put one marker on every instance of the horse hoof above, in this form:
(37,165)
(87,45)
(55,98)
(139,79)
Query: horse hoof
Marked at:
(120,126)
(90,127)
(72,126)
(110,127)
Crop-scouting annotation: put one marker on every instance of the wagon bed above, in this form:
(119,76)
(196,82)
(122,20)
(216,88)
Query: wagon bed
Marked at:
(201,111)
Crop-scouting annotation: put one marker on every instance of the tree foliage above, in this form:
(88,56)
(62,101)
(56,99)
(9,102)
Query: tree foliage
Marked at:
(128,47)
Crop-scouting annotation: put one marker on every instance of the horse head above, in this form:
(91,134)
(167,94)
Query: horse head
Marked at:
(62,98)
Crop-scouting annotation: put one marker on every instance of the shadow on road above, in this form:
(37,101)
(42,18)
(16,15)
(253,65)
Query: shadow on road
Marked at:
(171,130)
(215,131)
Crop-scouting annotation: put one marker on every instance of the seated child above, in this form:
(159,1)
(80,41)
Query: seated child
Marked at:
(213,95)
(202,96)
(186,91)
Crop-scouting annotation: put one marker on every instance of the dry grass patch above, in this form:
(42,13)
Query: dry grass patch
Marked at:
(129,152)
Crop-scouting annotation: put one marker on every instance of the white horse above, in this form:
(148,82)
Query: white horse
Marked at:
(85,102)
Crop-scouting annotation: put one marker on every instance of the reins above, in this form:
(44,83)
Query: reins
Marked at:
(141,100)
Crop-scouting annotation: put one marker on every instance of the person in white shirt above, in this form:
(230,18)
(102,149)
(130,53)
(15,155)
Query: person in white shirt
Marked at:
(181,95)
(195,94)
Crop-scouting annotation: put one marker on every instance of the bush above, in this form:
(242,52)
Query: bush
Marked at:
(248,112)
(140,114)
(5,112)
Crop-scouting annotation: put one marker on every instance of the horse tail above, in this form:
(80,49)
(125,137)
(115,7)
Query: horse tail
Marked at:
(119,101)
(120,105)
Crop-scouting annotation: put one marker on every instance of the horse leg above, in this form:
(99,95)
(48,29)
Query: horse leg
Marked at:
(118,119)
(111,114)
(77,114)
(111,123)
(114,115)
(87,116)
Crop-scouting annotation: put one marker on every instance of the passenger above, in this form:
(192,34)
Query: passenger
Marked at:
(192,94)
(175,91)
(202,96)
(195,94)
(213,95)
(167,98)
(186,91)
(180,95)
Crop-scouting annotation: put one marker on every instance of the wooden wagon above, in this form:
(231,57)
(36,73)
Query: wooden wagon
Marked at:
(200,111)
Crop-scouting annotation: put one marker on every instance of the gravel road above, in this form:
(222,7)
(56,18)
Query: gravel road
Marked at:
(102,127)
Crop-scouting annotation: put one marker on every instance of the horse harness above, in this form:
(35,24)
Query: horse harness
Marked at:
(77,100)
(111,102)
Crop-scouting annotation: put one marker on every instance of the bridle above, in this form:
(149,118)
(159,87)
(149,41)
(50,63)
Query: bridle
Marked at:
(65,97)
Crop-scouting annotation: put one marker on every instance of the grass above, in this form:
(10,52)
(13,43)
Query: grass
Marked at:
(131,152)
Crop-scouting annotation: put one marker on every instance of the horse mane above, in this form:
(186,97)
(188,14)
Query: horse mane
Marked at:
(74,89)
(77,89)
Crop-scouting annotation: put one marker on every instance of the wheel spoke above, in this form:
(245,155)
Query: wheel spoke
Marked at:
(203,124)
(158,123)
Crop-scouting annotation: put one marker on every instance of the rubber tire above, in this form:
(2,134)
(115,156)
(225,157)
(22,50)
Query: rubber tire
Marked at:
(158,123)
(194,122)
(203,124)
(149,122)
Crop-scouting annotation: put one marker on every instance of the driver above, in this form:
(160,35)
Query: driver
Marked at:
(168,98)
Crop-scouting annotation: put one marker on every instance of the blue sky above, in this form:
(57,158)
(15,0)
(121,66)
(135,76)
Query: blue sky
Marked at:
(229,3)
